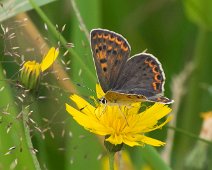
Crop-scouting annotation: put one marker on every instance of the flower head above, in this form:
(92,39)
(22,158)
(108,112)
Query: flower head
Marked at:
(31,70)
(121,124)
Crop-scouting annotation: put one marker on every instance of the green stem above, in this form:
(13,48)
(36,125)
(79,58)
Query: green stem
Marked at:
(192,104)
(80,20)
(25,112)
(111,160)
(63,41)
(194,93)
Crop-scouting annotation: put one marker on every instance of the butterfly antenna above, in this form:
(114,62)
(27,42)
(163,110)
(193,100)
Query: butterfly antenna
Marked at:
(104,109)
(83,86)
(145,50)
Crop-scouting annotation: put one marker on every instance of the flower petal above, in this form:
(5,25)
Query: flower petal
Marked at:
(151,141)
(133,140)
(140,140)
(115,139)
(149,118)
(158,126)
(134,108)
(92,125)
(82,104)
(99,91)
(156,112)
(49,58)
(131,143)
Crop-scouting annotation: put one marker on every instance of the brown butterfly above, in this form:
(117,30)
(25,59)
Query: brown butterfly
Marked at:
(126,79)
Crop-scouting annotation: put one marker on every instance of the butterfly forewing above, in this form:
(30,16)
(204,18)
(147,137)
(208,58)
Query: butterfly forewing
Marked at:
(110,53)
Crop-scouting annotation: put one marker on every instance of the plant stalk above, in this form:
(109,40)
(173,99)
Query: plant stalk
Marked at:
(25,112)
(111,160)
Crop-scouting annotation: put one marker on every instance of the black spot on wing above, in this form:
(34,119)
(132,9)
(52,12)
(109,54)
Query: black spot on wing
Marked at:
(159,77)
(104,47)
(114,52)
(116,62)
(104,69)
(103,60)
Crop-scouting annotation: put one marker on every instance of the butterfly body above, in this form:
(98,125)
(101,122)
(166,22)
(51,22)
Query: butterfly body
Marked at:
(126,79)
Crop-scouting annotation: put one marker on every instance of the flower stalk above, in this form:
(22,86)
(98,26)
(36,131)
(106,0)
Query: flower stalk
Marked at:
(25,112)
(111,156)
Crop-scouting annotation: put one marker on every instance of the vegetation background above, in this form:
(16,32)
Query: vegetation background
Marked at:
(178,33)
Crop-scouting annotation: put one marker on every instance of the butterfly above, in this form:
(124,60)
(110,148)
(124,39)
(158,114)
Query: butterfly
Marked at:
(125,79)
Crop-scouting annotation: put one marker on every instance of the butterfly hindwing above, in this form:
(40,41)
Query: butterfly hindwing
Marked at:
(142,76)
(110,53)
(160,99)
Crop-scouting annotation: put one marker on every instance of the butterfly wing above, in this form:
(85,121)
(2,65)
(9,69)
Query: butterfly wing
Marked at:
(110,52)
(123,98)
(142,76)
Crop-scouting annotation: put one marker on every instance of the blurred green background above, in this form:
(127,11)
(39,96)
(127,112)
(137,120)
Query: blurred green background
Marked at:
(178,33)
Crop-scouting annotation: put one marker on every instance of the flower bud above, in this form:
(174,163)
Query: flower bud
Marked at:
(30,74)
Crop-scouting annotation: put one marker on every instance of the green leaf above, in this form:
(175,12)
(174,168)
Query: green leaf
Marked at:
(149,155)
(199,12)
(11,132)
(10,8)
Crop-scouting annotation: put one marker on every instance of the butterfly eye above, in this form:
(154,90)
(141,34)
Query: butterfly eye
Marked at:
(103,101)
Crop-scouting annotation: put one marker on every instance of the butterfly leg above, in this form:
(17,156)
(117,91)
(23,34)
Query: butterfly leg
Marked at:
(123,115)
(104,109)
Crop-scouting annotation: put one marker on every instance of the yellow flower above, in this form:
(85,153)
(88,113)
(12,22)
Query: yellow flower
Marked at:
(31,70)
(121,124)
